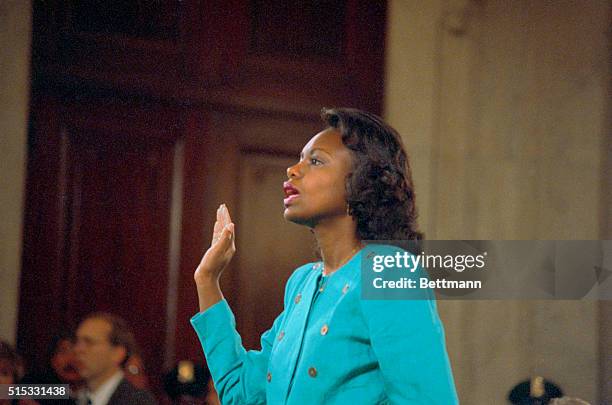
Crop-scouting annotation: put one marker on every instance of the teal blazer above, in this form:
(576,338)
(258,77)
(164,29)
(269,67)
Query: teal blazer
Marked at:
(330,346)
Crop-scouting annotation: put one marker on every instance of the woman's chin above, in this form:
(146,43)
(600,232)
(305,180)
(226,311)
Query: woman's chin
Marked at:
(291,216)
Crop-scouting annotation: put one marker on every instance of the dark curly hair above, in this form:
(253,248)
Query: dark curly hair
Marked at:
(379,189)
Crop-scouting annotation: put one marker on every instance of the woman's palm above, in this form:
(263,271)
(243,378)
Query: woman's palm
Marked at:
(221,250)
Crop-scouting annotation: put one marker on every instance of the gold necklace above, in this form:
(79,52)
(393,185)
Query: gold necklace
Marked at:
(343,262)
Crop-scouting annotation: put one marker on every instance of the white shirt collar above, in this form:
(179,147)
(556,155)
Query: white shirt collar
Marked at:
(104,392)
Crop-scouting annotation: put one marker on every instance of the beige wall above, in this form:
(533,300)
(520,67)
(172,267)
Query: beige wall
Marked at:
(503,109)
(15,33)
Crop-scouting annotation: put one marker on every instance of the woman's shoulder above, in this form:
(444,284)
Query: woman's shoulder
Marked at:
(300,274)
(299,277)
(386,247)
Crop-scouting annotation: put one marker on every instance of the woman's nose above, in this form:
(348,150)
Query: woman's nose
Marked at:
(292,171)
(78,347)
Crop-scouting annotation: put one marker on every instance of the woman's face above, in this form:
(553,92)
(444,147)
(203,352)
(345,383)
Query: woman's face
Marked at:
(63,362)
(315,190)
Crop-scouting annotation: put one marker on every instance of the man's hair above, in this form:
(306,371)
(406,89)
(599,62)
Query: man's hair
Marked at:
(120,334)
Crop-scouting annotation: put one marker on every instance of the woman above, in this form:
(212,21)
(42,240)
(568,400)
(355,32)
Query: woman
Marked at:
(329,346)
(11,370)
(60,369)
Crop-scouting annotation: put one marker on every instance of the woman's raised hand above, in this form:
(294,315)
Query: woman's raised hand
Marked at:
(221,250)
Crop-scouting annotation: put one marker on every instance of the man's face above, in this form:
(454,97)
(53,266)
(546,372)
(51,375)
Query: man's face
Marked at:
(96,356)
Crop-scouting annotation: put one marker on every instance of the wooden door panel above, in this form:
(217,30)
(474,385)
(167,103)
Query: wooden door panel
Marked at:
(41,294)
(105,207)
(270,247)
(120,258)
(247,155)
(271,55)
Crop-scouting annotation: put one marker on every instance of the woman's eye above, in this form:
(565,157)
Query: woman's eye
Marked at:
(315,161)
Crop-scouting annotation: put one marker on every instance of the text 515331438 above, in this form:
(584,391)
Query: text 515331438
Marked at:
(34,391)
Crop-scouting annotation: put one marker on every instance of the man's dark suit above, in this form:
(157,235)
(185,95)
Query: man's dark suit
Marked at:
(127,394)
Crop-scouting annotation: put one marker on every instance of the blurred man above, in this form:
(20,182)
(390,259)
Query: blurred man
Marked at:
(103,345)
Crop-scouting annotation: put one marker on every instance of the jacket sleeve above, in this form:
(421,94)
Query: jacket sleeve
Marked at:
(239,375)
(407,338)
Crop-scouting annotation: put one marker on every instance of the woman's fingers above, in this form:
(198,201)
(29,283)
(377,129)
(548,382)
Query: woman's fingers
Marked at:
(216,232)
(226,238)
(220,213)
(222,248)
(224,228)
(219,224)
(223,215)
(232,233)
(228,219)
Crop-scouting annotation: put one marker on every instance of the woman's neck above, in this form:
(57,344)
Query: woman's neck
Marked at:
(338,242)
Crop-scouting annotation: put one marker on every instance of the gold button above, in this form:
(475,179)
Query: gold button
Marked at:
(345,288)
(269,376)
(281,335)
(324,330)
(312,372)
(322,288)
(298,298)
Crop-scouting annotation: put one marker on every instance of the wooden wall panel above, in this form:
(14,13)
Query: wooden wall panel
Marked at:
(137,19)
(119,235)
(289,28)
(98,222)
(41,290)
(287,56)
(109,41)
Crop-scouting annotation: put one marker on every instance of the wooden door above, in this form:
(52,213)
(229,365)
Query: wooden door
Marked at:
(98,221)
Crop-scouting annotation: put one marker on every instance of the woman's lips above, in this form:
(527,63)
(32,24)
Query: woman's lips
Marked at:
(291,193)
(289,200)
